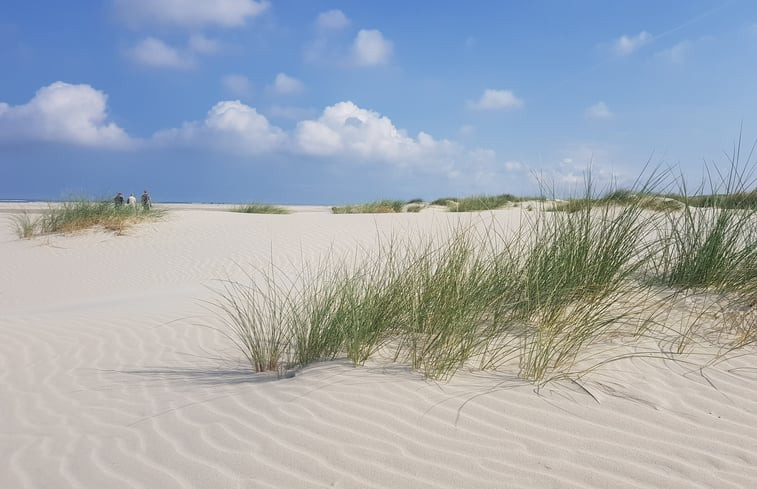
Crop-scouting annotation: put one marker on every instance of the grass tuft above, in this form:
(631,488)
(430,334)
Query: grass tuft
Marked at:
(256,208)
(553,300)
(482,203)
(377,207)
(713,246)
(81,214)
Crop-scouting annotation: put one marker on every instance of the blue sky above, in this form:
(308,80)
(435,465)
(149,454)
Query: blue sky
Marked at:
(331,102)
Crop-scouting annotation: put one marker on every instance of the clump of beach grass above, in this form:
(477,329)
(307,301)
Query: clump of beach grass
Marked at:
(445,302)
(255,317)
(257,208)
(571,287)
(377,207)
(623,197)
(713,246)
(742,199)
(554,300)
(80,214)
(25,224)
(482,203)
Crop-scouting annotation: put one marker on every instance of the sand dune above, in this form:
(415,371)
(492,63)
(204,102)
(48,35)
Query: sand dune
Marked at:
(110,376)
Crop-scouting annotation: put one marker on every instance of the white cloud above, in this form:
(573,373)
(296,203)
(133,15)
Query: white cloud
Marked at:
(189,13)
(332,20)
(496,100)
(154,52)
(238,85)
(201,44)
(600,110)
(63,113)
(285,84)
(229,126)
(625,45)
(346,128)
(371,48)
(347,132)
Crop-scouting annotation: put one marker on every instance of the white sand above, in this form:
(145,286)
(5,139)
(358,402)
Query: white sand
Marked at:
(108,379)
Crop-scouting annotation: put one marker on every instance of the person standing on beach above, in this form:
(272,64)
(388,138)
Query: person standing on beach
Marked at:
(132,200)
(146,202)
(119,199)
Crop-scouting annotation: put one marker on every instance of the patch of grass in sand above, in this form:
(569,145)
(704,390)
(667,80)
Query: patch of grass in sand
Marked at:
(713,246)
(574,275)
(647,201)
(25,224)
(481,203)
(377,207)
(81,214)
(553,300)
(256,208)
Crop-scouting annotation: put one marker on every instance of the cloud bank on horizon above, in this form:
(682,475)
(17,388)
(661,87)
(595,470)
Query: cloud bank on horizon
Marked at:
(250,88)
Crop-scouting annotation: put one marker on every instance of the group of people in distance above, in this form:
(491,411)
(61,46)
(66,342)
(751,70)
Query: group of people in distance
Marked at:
(146,201)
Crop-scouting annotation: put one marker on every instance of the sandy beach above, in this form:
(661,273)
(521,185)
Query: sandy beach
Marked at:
(113,376)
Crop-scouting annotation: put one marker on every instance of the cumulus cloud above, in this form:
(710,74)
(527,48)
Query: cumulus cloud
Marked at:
(346,128)
(155,53)
(625,45)
(496,100)
(332,20)
(285,84)
(63,113)
(190,13)
(600,110)
(343,132)
(238,85)
(370,48)
(348,132)
(229,126)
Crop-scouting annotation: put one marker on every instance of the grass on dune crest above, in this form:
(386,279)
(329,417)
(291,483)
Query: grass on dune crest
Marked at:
(480,203)
(81,214)
(540,300)
(377,207)
(257,208)
(713,246)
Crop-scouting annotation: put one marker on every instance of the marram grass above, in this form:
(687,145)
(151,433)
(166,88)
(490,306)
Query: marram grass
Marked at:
(377,207)
(541,301)
(257,208)
(77,215)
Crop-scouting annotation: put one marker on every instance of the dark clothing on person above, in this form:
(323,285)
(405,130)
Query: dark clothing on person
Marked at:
(146,200)
(119,200)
